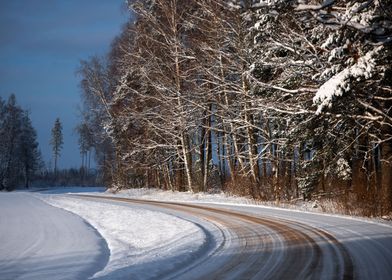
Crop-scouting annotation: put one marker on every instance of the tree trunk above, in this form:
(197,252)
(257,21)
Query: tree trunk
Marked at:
(89,159)
(185,152)
(234,136)
(169,181)
(359,173)
(386,177)
(27,179)
(228,155)
(55,166)
(206,153)
(202,146)
(207,156)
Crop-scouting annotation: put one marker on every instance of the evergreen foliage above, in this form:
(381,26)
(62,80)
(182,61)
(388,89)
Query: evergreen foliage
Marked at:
(57,141)
(20,157)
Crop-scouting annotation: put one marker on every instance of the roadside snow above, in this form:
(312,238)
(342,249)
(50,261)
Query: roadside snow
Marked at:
(325,207)
(142,242)
(161,195)
(217,198)
(322,206)
(42,242)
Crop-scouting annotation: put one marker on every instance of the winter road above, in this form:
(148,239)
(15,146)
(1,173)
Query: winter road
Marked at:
(264,243)
(39,241)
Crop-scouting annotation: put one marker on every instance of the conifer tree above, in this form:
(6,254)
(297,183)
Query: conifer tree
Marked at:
(11,128)
(57,142)
(19,153)
(30,156)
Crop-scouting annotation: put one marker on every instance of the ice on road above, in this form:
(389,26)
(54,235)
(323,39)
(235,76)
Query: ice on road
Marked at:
(38,241)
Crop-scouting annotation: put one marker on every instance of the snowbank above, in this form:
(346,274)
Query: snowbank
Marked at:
(141,242)
(324,206)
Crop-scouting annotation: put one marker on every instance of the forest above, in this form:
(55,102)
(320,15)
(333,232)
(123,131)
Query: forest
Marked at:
(277,100)
(21,161)
(20,157)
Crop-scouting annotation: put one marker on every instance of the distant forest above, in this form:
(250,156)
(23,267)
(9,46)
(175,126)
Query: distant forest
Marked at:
(21,164)
(276,100)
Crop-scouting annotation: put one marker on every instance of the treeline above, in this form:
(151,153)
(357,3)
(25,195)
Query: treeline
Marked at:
(20,158)
(69,177)
(273,99)
(21,163)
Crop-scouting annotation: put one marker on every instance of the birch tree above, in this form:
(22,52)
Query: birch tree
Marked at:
(280,99)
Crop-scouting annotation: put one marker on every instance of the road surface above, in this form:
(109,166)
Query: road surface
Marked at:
(263,243)
(39,241)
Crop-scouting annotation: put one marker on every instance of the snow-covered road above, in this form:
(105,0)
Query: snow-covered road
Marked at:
(266,243)
(187,240)
(38,241)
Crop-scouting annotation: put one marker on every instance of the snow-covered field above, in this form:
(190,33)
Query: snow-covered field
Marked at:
(91,237)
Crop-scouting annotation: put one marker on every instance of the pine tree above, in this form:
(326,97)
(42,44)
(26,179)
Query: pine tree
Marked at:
(57,141)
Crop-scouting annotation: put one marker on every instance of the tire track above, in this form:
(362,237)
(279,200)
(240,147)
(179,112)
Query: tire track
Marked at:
(262,248)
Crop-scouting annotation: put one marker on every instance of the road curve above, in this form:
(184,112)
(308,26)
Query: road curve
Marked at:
(255,246)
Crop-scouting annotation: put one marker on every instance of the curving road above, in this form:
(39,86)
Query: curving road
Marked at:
(262,243)
(241,242)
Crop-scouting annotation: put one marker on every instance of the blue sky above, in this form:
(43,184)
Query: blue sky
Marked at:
(41,44)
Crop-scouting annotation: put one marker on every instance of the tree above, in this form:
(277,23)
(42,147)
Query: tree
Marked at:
(19,154)
(11,131)
(278,98)
(57,142)
(30,155)
(95,85)
(85,143)
(328,65)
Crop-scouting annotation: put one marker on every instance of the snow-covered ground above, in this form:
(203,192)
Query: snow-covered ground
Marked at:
(326,207)
(144,241)
(38,241)
(141,241)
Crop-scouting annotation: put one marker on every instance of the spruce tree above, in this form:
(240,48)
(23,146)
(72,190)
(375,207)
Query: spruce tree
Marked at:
(10,132)
(19,153)
(29,153)
(57,141)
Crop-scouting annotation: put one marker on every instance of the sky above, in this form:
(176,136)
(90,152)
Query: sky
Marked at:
(41,45)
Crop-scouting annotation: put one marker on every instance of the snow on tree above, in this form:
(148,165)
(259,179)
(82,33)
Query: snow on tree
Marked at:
(341,83)
(281,98)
